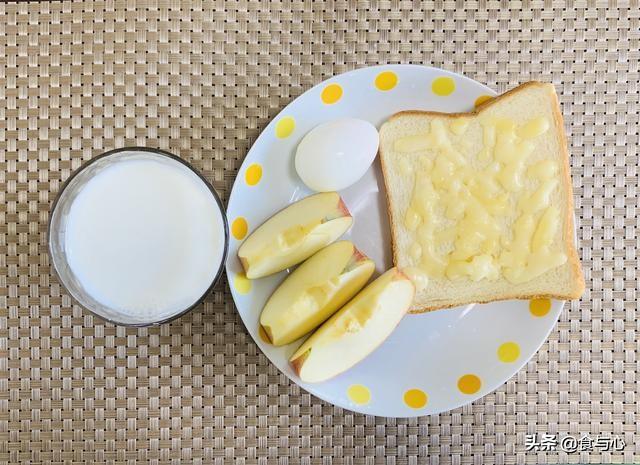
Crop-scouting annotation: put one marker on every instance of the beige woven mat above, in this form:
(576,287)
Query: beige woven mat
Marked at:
(202,79)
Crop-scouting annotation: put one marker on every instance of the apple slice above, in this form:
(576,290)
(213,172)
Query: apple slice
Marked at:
(355,330)
(294,234)
(314,291)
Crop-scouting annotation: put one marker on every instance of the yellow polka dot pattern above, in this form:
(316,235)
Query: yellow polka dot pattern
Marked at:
(508,352)
(443,86)
(480,100)
(242,284)
(331,94)
(239,228)
(253,174)
(469,384)
(539,307)
(284,127)
(415,398)
(386,80)
(359,394)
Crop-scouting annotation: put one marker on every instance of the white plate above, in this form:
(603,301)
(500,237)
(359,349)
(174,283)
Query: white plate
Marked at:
(437,357)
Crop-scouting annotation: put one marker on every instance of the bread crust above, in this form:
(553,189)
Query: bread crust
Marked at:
(577,279)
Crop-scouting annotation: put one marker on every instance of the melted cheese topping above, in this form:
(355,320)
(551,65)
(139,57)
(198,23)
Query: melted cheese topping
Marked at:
(458,213)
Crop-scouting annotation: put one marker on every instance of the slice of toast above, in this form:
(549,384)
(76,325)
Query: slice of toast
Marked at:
(480,204)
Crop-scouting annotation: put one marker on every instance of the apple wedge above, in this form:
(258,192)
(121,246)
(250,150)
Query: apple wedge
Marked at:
(355,330)
(294,234)
(314,291)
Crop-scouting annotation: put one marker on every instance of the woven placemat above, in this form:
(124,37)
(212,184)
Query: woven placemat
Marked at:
(201,79)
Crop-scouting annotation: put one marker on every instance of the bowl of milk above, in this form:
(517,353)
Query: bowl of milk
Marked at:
(137,236)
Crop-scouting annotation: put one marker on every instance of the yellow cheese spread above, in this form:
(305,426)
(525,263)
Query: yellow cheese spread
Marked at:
(487,219)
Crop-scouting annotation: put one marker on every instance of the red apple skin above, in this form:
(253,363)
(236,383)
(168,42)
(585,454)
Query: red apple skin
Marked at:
(297,363)
(266,331)
(245,264)
(336,211)
(358,256)
(355,259)
(342,208)
(401,275)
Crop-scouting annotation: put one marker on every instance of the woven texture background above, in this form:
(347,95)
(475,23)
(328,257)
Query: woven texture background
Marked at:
(201,79)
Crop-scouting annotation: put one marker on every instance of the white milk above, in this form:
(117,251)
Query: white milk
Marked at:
(145,237)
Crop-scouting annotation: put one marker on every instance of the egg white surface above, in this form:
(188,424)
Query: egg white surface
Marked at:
(336,154)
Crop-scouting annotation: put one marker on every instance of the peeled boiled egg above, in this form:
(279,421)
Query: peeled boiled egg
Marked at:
(334,155)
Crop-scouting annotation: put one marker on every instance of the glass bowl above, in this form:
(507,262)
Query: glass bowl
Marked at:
(58,227)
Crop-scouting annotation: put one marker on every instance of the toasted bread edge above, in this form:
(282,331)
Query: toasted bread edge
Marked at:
(577,278)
